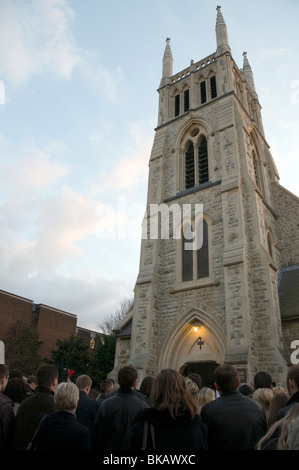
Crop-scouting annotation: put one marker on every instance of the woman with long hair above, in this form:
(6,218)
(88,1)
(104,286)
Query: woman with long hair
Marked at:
(173,423)
(277,437)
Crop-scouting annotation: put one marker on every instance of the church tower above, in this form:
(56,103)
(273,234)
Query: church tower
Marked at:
(219,301)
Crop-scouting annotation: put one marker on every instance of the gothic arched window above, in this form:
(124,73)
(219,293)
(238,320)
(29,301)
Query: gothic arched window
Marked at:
(195,262)
(196,164)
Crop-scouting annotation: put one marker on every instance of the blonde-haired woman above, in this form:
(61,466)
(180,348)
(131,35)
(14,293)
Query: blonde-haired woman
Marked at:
(174,419)
(264,397)
(206,395)
(60,430)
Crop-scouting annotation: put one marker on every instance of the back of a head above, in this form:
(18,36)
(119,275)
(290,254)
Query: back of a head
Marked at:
(293,374)
(106,386)
(192,387)
(196,378)
(32,379)
(83,381)
(263,396)
(170,392)
(262,380)
(4,370)
(278,401)
(127,376)
(15,373)
(147,385)
(226,377)
(66,396)
(246,390)
(16,389)
(46,374)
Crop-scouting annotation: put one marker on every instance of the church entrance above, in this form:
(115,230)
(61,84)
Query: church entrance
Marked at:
(204,369)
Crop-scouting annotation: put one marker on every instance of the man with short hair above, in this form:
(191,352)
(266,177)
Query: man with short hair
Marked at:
(7,416)
(262,379)
(87,407)
(113,425)
(106,386)
(42,401)
(31,384)
(292,381)
(235,422)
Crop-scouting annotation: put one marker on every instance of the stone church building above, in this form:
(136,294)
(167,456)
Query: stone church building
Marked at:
(235,299)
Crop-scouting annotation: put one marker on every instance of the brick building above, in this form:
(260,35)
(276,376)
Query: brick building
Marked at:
(52,323)
(235,299)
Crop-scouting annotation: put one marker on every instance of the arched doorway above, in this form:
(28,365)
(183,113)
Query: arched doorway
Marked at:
(204,369)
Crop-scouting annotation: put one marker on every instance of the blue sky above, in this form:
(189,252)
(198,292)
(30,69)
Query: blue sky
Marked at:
(79,103)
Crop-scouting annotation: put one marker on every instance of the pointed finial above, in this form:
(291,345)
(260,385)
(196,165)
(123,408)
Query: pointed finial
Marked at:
(248,72)
(167,62)
(221,33)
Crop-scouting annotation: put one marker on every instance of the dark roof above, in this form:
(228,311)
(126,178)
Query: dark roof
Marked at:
(288,291)
(126,330)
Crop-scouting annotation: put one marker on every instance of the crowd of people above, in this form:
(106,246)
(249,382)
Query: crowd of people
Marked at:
(168,412)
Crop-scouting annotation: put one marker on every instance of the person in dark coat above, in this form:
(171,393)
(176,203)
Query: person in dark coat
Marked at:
(60,430)
(113,424)
(33,406)
(234,422)
(177,425)
(87,407)
(7,416)
(292,381)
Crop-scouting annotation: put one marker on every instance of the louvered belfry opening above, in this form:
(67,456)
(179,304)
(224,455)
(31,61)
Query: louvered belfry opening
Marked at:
(203,92)
(177,105)
(189,168)
(203,166)
(213,87)
(186,100)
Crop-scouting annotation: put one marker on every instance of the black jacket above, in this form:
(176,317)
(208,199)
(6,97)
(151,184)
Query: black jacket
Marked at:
(113,423)
(28,415)
(292,401)
(61,431)
(86,411)
(180,434)
(235,422)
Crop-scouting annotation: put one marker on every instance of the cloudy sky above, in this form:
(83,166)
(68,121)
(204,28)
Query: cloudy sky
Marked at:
(78,109)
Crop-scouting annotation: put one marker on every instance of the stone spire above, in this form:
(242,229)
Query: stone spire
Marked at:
(221,33)
(248,72)
(167,63)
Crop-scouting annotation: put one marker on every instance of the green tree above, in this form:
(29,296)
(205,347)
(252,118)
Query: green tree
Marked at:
(72,354)
(105,347)
(103,360)
(22,346)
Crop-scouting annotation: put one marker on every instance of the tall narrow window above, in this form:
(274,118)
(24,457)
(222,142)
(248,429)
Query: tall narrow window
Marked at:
(256,170)
(213,87)
(189,168)
(203,164)
(177,105)
(203,254)
(187,256)
(203,92)
(186,100)
(269,240)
